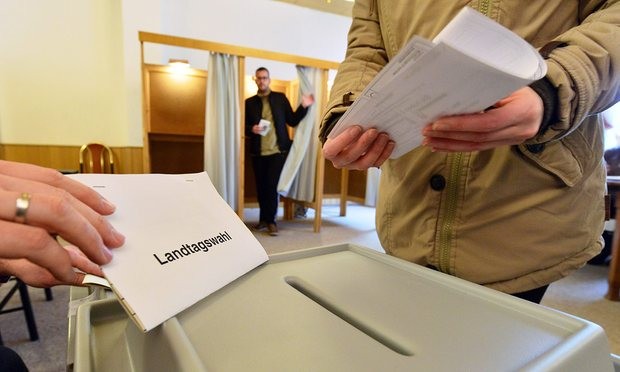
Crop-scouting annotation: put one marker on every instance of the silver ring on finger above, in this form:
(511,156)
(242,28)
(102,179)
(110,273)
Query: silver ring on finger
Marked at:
(21,207)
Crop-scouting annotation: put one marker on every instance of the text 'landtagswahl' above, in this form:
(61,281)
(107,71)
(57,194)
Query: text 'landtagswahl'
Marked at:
(189,249)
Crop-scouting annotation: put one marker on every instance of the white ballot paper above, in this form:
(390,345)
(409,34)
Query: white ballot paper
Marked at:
(264,126)
(183,242)
(473,63)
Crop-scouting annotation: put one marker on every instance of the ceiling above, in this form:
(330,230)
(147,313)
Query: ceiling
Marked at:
(341,7)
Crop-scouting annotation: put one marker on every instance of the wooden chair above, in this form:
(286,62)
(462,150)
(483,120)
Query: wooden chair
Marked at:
(96,158)
(26,306)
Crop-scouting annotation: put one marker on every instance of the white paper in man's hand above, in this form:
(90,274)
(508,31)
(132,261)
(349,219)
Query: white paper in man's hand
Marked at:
(264,126)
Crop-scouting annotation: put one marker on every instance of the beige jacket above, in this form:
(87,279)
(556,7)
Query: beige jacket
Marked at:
(513,218)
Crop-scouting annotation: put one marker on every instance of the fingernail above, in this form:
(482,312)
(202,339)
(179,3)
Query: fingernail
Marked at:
(356,130)
(107,204)
(438,126)
(120,238)
(107,253)
(78,278)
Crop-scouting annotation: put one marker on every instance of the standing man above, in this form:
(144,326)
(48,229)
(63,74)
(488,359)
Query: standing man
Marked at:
(270,142)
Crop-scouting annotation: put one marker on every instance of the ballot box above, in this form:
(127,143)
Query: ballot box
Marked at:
(343,308)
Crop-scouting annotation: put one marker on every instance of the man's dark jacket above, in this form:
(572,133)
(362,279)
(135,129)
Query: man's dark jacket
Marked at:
(282,114)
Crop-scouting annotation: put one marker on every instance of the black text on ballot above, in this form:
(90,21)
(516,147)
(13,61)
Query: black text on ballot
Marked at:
(188,249)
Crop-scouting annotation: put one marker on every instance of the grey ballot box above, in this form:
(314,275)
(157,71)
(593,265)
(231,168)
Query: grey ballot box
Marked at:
(343,308)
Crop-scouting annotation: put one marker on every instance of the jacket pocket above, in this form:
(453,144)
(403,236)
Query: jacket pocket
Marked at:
(566,158)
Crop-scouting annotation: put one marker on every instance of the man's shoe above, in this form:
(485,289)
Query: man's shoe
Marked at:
(273,229)
(260,226)
(300,211)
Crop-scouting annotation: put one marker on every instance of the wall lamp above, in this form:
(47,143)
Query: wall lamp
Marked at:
(180,66)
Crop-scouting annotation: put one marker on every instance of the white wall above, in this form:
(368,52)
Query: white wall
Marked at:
(612,134)
(70,69)
(60,71)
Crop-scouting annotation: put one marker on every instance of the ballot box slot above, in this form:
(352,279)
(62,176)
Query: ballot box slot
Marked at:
(315,295)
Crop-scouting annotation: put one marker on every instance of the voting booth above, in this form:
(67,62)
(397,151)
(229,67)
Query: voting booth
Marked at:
(341,308)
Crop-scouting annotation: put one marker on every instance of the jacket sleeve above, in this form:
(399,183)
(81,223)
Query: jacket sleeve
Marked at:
(584,68)
(293,118)
(249,117)
(365,57)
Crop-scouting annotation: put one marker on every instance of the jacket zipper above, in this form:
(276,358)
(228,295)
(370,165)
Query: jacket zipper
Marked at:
(484,7)
(446,229)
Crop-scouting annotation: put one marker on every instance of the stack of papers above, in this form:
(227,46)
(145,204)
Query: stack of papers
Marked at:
(473,63)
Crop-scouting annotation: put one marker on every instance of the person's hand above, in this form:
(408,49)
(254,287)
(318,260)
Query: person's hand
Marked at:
(358,149)
(57,206)
(37,276)
(510,122)
(256,129)
(307,100)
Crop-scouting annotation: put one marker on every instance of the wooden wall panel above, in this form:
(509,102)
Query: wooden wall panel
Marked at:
(129,160)
(177,102)
(176,154)
(175,120)
(332,179)
(66,158)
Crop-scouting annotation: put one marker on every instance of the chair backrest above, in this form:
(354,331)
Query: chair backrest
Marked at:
(96,158)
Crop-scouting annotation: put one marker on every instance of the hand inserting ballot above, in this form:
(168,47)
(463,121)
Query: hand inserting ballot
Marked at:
(39,205)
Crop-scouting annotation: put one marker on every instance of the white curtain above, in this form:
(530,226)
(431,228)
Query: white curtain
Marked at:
(372,186)
(299,172)
(222,128)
